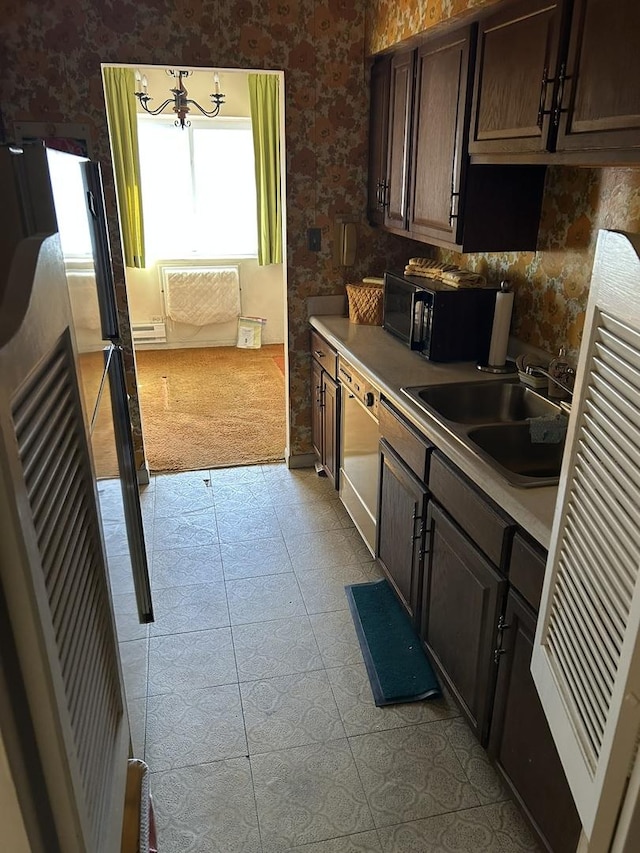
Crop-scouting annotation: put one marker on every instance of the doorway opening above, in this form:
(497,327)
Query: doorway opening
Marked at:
(208,322)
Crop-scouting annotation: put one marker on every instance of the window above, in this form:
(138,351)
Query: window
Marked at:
(198,188)
(71,213)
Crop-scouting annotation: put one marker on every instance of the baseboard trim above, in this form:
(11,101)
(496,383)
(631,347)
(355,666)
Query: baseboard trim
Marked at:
(301,460)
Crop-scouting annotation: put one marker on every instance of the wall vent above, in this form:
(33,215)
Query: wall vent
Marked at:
(149,333)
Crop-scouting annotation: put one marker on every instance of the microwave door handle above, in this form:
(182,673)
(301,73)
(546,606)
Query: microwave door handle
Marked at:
(418,304)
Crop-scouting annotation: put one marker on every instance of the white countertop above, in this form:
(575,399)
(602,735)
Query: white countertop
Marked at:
(390,365)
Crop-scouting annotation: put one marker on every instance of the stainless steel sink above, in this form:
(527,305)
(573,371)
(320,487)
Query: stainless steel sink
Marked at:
(509,446)
(483,402)
(491,418)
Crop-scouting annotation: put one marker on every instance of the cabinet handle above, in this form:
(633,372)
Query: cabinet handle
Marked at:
(497,654)
(452,215)
(318,353)
(380,194)
(499,651)
(385,195)
(319,394)
(562,76)
(416,536)
(543,97)
(502,625)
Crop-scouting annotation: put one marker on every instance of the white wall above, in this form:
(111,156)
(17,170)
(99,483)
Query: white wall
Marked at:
(262,295)
(262,288)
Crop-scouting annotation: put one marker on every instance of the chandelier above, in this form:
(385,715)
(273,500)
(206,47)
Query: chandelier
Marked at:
(179,102)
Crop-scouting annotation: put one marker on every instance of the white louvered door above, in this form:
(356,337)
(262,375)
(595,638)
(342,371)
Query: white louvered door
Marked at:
(65,692)
(586,660)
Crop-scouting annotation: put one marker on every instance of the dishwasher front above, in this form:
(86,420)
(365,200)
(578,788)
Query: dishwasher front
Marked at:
(359,464)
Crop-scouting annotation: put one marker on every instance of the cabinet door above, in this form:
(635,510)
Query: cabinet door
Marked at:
(316,408)
(378,137)
(601,96)
(400,105)
(400,528)
(517,52)
(330,414)
(438,137)
(463,596)
(521,743)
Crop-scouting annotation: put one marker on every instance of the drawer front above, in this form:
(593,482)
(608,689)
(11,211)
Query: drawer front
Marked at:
(324,354)
(490,529)
(412,447)
(526,569)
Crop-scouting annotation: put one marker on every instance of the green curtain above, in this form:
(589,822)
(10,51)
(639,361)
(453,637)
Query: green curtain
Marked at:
(265,118)
(123,129)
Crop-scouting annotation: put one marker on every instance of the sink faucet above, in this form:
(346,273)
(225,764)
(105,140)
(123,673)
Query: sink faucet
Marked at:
(567,376)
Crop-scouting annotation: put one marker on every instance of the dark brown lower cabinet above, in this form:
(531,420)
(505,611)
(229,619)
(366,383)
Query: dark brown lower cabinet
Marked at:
(330,401)
(316,408)
(521,743)
(324,420)
(462,598)
(400,530)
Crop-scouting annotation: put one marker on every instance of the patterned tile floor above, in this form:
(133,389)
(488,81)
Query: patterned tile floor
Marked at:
(248,697)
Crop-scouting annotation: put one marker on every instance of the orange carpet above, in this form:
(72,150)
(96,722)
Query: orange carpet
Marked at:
(203,407)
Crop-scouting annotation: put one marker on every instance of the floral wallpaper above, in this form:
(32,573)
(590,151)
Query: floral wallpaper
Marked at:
(52,75)
(551,284)
(390,22)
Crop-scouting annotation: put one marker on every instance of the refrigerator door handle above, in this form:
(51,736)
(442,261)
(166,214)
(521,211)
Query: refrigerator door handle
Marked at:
(91,204)
(129,482)
(97,218)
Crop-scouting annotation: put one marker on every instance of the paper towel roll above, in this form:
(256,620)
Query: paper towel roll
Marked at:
(500,329)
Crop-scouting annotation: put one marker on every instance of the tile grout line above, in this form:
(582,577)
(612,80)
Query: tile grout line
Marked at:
(246,738)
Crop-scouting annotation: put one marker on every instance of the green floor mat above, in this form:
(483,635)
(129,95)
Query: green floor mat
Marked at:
(396,663)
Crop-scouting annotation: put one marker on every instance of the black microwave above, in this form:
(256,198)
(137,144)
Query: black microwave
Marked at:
(441,322)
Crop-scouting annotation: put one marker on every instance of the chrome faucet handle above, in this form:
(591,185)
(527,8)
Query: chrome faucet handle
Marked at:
(566,382)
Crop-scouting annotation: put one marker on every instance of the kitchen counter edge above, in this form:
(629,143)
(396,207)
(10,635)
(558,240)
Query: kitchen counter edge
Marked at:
(388,364)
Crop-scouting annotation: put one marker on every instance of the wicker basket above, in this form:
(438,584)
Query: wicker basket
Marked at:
(365,303)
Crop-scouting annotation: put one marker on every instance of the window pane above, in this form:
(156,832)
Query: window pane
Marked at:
(225,190)
(71,213)
(210,211)
(167,195)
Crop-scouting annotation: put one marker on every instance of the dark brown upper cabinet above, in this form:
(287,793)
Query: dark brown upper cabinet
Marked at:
(599,96)
(557,82)
(438,150)
(399,136)
(515,83)
(428,192)
(378,129)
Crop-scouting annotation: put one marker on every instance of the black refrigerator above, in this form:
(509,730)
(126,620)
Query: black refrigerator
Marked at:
(62,191)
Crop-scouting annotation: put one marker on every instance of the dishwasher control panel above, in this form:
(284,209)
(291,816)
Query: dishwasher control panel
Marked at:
(354,383)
